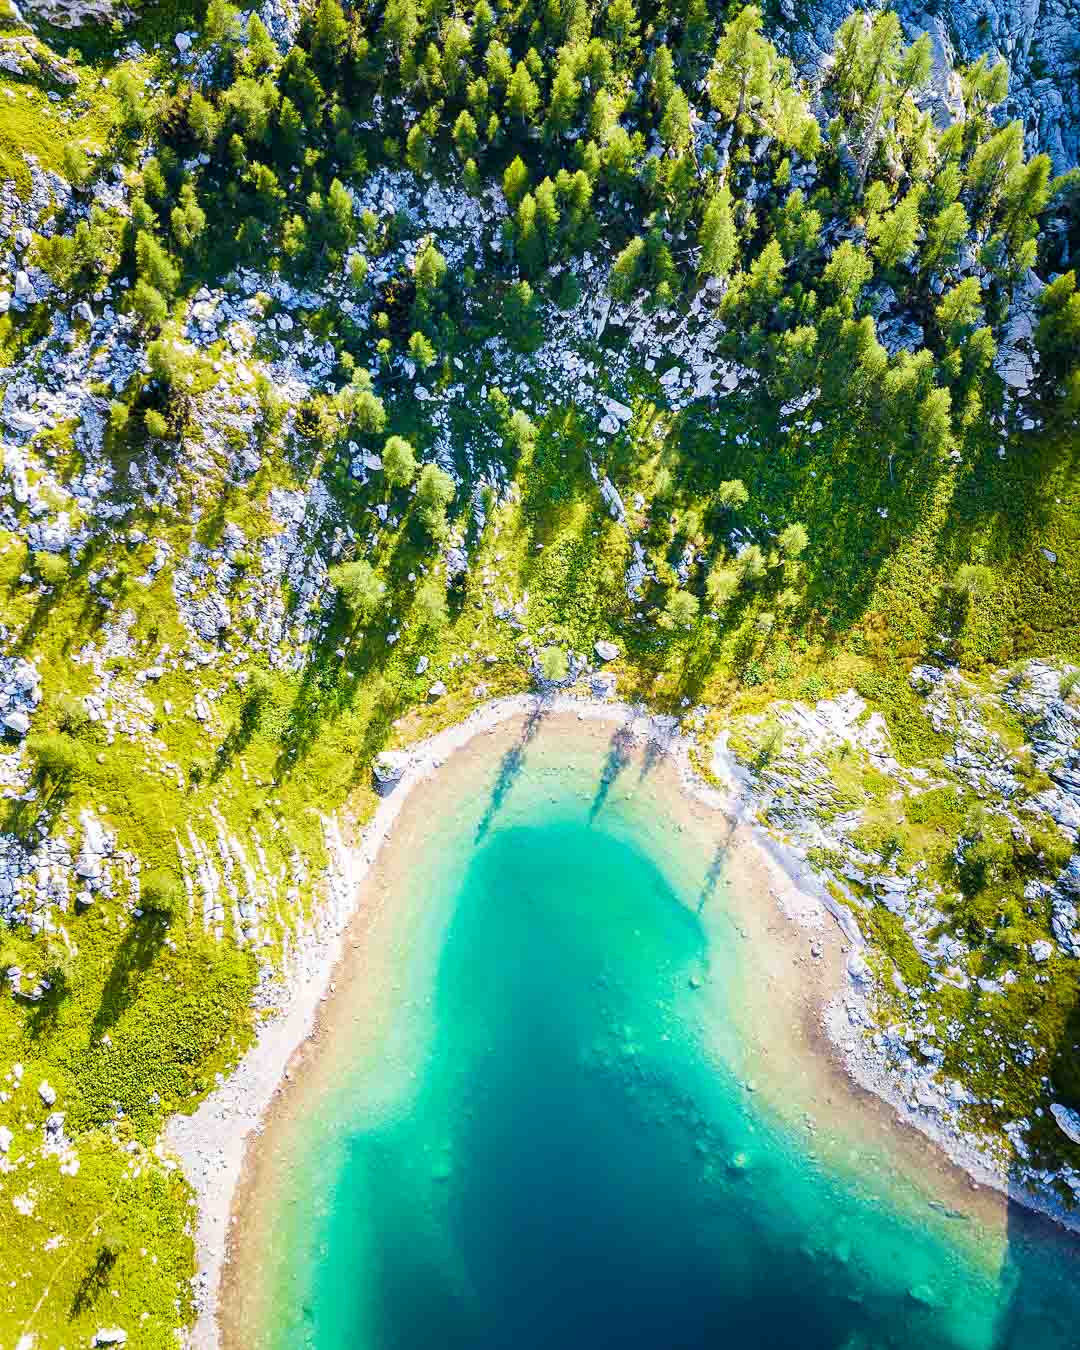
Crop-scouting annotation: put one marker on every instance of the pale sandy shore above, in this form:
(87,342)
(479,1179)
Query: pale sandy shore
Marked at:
(211,1144)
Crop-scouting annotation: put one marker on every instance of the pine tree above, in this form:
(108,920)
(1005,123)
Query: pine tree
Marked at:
(893,235)
(621,24)
(399,462)
(528,244)
(675,121)
(515,181)
(188,219)
(465,137)
(992,165)
(421,351)
(522,95)
(155,266)
(627,269)
(203,120)
(261,52)
(565,95)
(360,589)
(400,25)
(428,271)
(434,494)
(943,236)
(847,271)
(717,236)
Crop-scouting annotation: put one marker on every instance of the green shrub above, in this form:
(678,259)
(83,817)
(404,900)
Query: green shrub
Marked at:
(51,568)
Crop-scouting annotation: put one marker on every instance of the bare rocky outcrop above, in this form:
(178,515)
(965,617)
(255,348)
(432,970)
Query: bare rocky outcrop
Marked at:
(74,13)
(1039,39)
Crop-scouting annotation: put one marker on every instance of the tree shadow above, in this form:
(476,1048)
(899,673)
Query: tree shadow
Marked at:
(715,870)
(618,758)
(511,766)
(240,735)
(94,1283)
(45,1011)
(135,955)
(651,756)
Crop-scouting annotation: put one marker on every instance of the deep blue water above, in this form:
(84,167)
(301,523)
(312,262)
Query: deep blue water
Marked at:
(573,1166)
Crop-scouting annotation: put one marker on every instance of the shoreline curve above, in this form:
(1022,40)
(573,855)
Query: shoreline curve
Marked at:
(213,1142)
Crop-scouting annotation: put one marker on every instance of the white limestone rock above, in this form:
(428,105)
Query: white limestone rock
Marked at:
(388,770)
(1068,1121)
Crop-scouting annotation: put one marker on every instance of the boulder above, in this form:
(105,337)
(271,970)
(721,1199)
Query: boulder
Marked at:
(1041,951)
(436,691)
(5,1138)
(109,1336)
(24,289)
(606,651)
(1068,1121)
(17,722)
(388,769)
(47,1092)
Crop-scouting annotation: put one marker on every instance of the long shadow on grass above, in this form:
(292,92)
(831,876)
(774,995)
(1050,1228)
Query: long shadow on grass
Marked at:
(513,762)
(94,1283)
(137,952)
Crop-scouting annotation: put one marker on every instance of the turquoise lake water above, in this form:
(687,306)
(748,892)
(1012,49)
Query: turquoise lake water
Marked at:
(548,1145)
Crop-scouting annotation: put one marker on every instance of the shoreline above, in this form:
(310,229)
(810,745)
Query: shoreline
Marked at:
(212,1144)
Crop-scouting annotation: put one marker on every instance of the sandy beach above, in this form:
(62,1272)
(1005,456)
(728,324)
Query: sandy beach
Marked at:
(800,938)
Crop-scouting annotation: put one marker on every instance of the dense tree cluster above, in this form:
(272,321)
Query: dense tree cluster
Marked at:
(684,150)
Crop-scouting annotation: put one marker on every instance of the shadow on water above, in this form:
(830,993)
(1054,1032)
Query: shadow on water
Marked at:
(1040,1278)
(715,870)
(620,752)
(513,762)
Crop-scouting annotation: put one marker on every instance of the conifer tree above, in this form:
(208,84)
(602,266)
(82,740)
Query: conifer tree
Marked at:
(522,95)
(847,271)
(717,236)
(399,462)
(565,95)
(893,235)
(515,181)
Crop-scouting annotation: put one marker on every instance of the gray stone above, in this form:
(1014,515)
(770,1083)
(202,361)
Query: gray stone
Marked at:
(606,651)
(437,690)
(388,769)
(1068,1121)
(24,290)
(47,1092)
(17,722)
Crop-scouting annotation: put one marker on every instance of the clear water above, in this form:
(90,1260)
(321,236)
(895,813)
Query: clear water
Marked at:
(548,1146)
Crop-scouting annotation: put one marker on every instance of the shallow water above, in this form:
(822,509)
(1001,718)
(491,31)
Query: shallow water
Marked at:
(550,1142)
